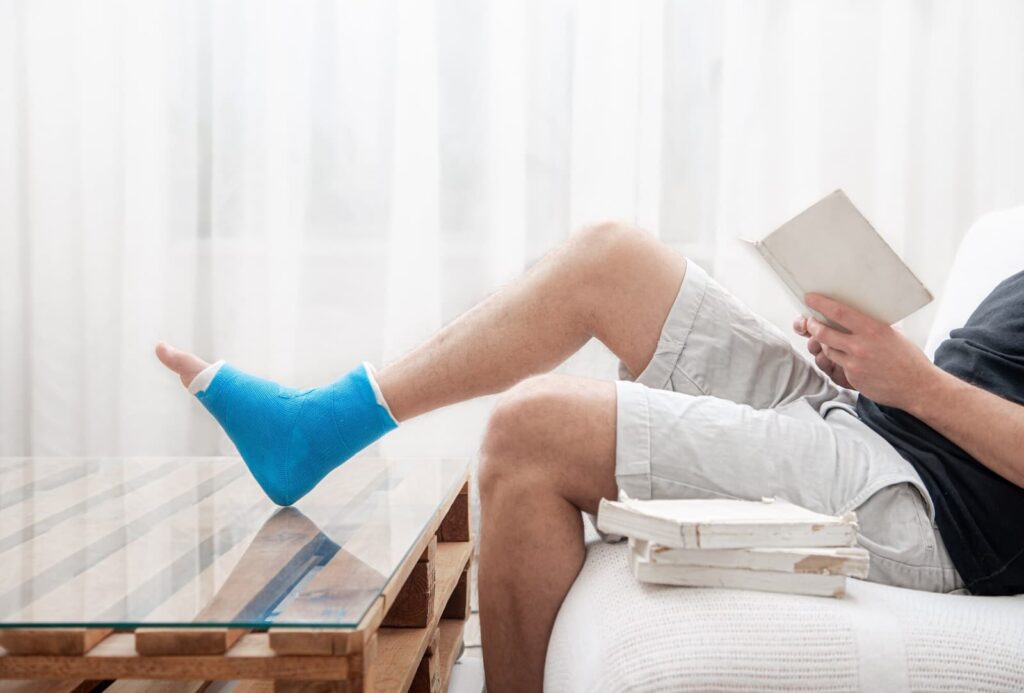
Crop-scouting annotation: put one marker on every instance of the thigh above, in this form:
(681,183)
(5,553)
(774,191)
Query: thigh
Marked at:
(712,344)
(674,445)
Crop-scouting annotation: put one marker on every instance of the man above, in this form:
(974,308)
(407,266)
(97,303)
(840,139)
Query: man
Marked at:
(716,404)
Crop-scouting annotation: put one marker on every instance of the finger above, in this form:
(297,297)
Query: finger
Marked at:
(824,363)
(800,326)
(836,356)
(828,336)
(813,346)
(848,317)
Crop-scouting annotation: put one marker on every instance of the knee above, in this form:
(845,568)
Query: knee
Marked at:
(518,431)
(611,241)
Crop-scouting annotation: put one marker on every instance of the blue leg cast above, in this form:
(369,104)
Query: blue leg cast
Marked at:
(291,439)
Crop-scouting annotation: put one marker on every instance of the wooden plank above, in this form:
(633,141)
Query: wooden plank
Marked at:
(427,678)
(311,687)
(280,554)
(345,572)
(151,686)
(414,604)
(186,641)
(430,553)
(458,606)
(360,475)
(450,647)
(455,525)
(328,641)
(51,641)
(25,686)
(254,687)
(400,576)
(400,649)
(115,658)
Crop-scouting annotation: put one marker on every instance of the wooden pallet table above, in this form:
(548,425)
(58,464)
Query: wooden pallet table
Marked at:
(166,575)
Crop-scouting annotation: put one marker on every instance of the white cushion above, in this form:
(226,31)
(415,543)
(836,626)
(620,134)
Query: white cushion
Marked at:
(991,251)
(614,634)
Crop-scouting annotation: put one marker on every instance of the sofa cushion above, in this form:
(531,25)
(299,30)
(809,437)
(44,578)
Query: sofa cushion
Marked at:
(991,250)
(615,634)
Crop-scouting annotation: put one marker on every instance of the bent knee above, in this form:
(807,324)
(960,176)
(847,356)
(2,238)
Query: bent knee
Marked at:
(525,410)
(612,237)
(523,422)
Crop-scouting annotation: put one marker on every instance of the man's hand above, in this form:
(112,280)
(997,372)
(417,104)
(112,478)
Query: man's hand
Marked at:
(827,365)
(887,367)
(875,358)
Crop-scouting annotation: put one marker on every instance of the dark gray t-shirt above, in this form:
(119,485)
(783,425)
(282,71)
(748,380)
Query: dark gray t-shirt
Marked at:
(980,515)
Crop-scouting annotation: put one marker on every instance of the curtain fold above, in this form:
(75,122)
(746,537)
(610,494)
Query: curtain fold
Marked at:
(300,186)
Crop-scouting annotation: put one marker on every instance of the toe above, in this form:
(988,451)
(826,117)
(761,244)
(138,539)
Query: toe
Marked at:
(185,364)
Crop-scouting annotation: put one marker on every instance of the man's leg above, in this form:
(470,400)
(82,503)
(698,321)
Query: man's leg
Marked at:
(609,281)
(549,452)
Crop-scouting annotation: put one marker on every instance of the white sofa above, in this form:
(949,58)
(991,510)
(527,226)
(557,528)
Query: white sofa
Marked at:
(613,634)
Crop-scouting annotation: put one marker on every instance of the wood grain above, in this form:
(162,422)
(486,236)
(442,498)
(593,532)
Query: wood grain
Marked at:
(455,525)
(450,646)
(151,686)
(51,641)
(400,649)
(49,686)
(328,641)
(427,678)
(413,607)
(458,606)
(115,657)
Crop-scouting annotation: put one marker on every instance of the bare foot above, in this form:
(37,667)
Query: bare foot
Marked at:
(185,364)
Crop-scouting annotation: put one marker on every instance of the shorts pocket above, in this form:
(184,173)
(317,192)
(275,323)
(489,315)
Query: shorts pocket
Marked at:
(894,526)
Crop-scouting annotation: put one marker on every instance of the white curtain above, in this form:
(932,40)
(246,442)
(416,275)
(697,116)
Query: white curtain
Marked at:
(297,186)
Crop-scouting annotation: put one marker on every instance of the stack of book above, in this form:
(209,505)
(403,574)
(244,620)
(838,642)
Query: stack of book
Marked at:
(767,545)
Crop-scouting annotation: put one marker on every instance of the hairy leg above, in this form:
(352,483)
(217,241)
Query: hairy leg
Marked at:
(611,281)
(549,452)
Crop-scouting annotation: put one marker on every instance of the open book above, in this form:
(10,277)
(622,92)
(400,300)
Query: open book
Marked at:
(831,249)
(724,523)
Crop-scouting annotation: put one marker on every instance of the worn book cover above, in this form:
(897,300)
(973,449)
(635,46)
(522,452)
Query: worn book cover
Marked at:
(832,249)
(815,584)
(847,560)
(724,523)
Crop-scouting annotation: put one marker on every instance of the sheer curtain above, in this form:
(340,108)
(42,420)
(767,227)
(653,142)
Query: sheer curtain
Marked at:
(297,186)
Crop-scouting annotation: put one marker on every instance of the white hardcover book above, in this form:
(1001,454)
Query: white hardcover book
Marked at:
(848,560)
(737,578)
(831,249)
(724,523)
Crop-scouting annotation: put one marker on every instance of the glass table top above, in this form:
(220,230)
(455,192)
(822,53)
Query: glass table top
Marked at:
(187,542)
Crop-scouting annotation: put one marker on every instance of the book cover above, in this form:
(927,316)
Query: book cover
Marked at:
(735,578)
(724,523)
(852,561)
(832,249)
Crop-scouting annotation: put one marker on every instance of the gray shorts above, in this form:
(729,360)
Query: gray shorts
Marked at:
(727,408)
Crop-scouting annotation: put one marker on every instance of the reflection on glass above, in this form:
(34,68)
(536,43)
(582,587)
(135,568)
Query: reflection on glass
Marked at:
(186,542)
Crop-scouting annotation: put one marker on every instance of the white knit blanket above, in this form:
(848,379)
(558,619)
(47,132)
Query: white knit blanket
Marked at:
(614,634)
